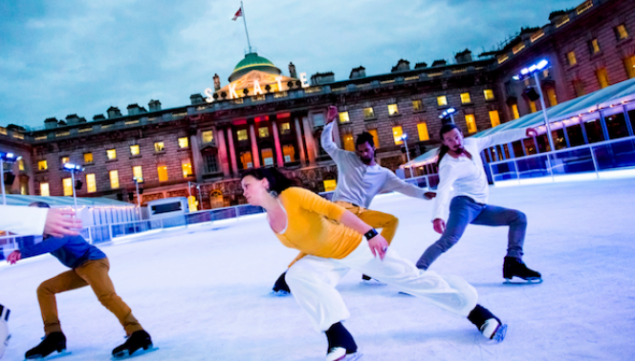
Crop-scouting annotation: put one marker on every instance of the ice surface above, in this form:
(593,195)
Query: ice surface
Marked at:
(203,292)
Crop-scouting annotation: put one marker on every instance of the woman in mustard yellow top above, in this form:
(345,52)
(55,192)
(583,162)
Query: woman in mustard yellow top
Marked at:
(331,240)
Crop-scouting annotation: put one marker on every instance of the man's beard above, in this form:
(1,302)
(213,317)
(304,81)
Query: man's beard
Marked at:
(366,160)
(459,150)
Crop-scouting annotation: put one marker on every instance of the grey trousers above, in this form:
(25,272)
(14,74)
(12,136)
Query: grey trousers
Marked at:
(463,211)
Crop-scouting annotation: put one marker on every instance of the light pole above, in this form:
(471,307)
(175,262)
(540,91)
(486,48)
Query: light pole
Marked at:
(72,169)
(404,138)
(138,180)
(448,113)
(8,158)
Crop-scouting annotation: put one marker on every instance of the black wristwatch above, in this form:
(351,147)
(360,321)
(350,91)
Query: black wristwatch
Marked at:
(370,234)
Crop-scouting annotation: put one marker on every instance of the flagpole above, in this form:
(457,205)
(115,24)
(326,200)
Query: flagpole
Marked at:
(245,21)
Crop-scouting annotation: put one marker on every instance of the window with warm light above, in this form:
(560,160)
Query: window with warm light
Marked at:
(471,123)
(571,58)
(422,129)
(369,113)
(44,190)
(245,159)
(267,156)
(489,94)
(183,142)
(442,100)
(285,128)
(207,136)
(373,132)
(629,64)
(417,105)
(349,142)
(114,179)
(465,98)
(111,154)
(397,132)
(68,186)
(594,46)
(187,169)
(289,153)
(88,158)
(162,170)
(241,135)
(344,118)
(551,95)
(532,106)
(494,118)
(330,185)
(134,150)
(64,160)
(159,147)
(137,173)
(263,132)
(621,32)
(42,165)
(603,77)
(91,183)
(515,112)
(393,109)
(21,164)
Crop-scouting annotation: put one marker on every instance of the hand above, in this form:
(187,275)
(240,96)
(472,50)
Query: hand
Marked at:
(378,245)
(60,223)
(439,225)
(531,132)
(14,257)
(429,195)
(332,114)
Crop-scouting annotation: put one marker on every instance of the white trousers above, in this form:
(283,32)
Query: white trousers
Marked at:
(4,329)
(312,281)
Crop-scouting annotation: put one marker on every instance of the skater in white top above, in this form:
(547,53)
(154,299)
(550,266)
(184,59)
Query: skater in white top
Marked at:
(463,190)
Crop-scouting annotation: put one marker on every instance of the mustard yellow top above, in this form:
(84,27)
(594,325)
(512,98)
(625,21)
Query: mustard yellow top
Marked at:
(313,226)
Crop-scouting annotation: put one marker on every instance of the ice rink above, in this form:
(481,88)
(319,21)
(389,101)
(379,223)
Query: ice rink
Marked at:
(203,293)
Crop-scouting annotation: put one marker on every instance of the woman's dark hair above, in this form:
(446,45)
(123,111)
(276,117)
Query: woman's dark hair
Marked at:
(443,149)
(278,182)
(365,137)
(39,204)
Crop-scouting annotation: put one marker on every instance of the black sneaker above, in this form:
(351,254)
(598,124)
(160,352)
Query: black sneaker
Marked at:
(138,340)
(515,267)
(54,341)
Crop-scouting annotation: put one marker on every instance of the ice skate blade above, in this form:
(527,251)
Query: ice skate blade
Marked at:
(124,354)
(520,281)
(353,356)
(372,283)
(500,333)
(51,356)
(280,293)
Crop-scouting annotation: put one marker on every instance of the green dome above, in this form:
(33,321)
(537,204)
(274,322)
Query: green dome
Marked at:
(251,62)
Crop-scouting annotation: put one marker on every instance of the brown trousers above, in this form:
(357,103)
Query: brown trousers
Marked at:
(93,274)
(387,222)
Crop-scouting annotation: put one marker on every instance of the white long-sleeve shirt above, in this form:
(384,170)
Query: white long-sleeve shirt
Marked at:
(358,183)
(23,220)
(466,177)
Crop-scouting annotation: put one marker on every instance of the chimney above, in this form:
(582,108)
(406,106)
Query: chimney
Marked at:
(72,119)
(113,112)
(359,72)
(322,78)
(196,99)
(50,123)
(133,109)
(440,62)
(464,57)
(154,105)
(292,72)
(98,117)
(421,65)
(402,65)
(216,85)
(81,120)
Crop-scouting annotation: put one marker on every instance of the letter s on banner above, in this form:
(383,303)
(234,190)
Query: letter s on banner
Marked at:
(209,98)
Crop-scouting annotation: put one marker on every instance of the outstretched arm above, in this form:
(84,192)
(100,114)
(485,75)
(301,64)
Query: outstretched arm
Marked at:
(395,184)
(507,136)
(327,136)
(38,221)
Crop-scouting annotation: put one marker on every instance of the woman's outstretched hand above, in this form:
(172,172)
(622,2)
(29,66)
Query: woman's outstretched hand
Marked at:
(378,245)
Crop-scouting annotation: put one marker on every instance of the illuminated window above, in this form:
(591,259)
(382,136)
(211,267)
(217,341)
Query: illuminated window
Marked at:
(471,123)
(187,169)
(88,158)
(393,109)
(285,128)
(594,46)
(489,94)
(373,132)
(515,112)
(64,160)
(91,184)
(241,134)
(263,132)
(44,190)
(24,187)
(183,142)
(111,154)
(137,173)
(621,32)
(21,164)
(423,131)
(330,185)
(417,105)
(603,77)
(245,159)
(397,132)
(344,117)
(349,142)
(571,58)
(207,136)
(494,118)
(465,98)
(267,156)
(163,173)
(369,113)
(629,64)
(532,107)
(551,95)
(68,186)
(442,100)
(42,165)
(159,147)
(114,179)
(134,150)
(318,119)
(289,153)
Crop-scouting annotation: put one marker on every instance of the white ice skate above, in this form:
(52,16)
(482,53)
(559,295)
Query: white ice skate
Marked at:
(492,329)
(339,354)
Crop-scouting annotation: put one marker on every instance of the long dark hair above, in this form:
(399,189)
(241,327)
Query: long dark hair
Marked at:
(278,182)
(443,149)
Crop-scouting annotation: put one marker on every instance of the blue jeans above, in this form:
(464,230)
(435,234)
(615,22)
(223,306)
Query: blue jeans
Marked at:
(463,211)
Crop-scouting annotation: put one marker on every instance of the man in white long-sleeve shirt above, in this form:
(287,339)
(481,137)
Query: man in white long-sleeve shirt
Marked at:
(463,191)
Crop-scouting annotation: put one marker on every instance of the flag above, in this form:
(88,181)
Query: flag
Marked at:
(238,14)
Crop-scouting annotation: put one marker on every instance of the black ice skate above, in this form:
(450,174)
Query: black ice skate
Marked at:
(137,341)
(280,288)
(54,341)
(489,325)
(515,267)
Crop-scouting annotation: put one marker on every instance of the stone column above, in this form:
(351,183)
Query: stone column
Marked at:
(222,152)
(232,150)
(197,159)
(310,142)
(276,140)
(298,133)
(255,156)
